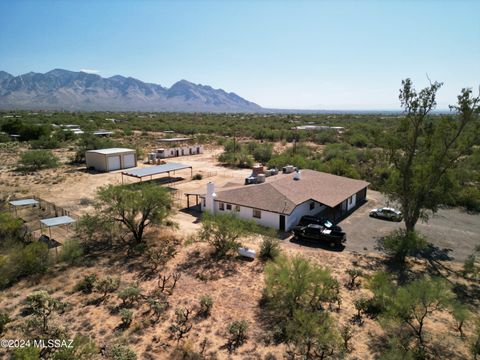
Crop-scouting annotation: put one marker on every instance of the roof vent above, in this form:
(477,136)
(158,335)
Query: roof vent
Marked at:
(297,175)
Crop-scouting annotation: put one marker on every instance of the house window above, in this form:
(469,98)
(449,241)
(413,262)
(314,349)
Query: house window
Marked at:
(204,202)
(312,205)
(221,206)
(237,208)
(257,214)
(229,206)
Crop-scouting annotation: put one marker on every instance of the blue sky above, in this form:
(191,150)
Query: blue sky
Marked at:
(282,54)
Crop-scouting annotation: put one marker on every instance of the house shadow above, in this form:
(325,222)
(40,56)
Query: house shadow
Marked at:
(325,245)
(336,218)
(193,211)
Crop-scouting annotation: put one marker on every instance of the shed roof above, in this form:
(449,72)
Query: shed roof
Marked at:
(154,170)
(174,139)
(111,151)
(23,202)
(56,221)
(282,194)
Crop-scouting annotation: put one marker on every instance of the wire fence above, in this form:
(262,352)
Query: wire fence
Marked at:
(31,215)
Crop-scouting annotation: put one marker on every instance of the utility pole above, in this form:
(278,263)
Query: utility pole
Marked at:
(234,148)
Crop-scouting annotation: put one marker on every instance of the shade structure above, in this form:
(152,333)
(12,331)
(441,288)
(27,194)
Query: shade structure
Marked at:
(155,170)
(56,221)
(23,202)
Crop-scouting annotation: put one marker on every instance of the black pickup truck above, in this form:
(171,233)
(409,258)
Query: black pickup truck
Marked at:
(321,233)
(308,219)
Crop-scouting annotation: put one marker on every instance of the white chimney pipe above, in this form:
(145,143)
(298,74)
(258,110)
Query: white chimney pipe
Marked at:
(210,197)
(298,175)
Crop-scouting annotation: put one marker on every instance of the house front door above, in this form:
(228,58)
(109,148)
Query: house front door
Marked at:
(282,223)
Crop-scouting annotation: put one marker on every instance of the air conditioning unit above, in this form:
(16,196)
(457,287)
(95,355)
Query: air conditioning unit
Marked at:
(288,169)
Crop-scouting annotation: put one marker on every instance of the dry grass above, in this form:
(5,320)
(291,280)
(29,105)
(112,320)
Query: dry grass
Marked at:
(235,284)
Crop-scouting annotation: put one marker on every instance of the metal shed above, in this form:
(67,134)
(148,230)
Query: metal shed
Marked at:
(111,159)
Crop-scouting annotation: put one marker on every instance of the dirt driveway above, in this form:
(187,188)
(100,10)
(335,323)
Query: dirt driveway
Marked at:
(453,232)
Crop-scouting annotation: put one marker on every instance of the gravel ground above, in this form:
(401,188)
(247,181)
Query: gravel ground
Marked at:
(452,233)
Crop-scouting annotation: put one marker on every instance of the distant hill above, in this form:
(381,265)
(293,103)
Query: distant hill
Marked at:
(69,90)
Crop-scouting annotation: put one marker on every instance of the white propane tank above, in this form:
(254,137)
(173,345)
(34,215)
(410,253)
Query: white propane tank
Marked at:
(246,252)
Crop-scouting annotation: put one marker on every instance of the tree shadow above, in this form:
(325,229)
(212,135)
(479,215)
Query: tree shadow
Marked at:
(209,267)
(434,253)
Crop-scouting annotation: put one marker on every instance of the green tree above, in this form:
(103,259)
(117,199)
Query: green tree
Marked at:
(23,261)
(89,141)
(400,243)
(93,230)
(206,305)
(71,252)
(475,343)
(295,283)
(87,284)
(424,149)
(4,320)
(461,314)
(313,335)
(121,352)
(223,231)
(135,207)
(36,160)
(127,317)
(10,227)
(410,305)
(107,285)
(237,331)
(82,349)
(471,266)
(43,305)
(26,353)
(129,295)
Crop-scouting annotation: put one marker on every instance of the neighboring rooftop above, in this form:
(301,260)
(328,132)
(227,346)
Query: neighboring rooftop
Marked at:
(111,151)
(282,194)
(174,139)
(318,127)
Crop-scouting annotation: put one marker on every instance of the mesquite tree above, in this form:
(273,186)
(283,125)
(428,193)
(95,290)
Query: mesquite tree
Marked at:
(135,207)
(425,148)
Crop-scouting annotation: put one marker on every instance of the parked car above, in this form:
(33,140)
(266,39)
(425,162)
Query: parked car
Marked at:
(321,233)
(308,219)
(387,213)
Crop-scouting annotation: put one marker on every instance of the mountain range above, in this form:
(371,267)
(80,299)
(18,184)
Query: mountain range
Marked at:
(69,90)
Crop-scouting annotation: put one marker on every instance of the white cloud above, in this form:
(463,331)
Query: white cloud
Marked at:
(90,71)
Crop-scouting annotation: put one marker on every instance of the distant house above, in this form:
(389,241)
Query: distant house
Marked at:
(178,147)
(282,200)
(176,151)
(102,133)
(318,128)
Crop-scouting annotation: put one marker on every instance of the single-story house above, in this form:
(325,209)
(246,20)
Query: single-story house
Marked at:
(282,200)
(111,159)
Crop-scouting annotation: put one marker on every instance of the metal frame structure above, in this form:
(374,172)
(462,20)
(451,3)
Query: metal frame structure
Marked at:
(140,173)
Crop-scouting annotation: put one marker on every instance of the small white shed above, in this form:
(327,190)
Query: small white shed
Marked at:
(111,159)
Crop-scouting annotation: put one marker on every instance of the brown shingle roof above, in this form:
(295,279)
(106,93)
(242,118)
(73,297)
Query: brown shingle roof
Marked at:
(282,194)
